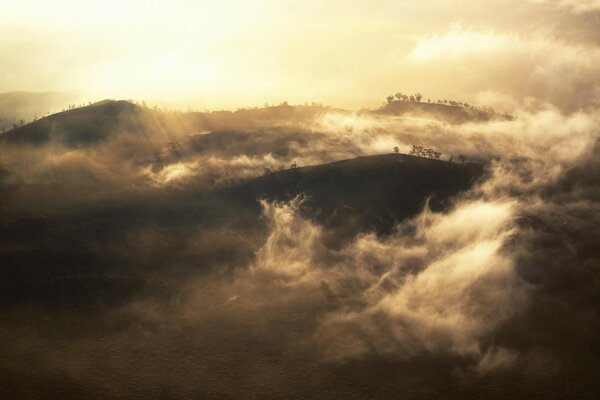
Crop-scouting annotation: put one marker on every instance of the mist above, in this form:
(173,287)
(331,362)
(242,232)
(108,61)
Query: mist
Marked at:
(300,200)
(174,266)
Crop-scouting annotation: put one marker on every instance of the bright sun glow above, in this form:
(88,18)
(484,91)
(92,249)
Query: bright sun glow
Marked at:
(230,53)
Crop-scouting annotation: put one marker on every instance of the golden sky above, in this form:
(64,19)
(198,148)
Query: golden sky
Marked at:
(348,53)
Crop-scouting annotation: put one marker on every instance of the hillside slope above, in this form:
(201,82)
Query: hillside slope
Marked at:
(366,193)
(82,126)
(105,119)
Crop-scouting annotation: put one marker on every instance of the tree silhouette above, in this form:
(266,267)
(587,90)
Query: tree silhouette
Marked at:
(396,150)
(421,151)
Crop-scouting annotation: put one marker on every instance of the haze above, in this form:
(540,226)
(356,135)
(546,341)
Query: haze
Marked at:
(227,54)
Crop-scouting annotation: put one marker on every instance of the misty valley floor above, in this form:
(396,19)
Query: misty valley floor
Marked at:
(269,254)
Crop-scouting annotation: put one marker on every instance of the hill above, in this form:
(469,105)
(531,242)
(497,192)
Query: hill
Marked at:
(106,119)
(69,229)
(366,193)
(82,126)
(449,113)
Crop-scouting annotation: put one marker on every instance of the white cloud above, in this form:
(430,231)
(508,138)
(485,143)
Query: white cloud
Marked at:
(458,43)
(577,6)
(536,66)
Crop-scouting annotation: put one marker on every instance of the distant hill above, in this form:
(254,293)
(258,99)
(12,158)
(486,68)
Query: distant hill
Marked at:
(448,113)
(97,122)
(252,142)
(84,125)
(254,117)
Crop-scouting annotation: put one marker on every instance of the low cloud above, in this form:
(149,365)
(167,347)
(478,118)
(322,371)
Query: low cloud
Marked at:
(179,288)
(534,68)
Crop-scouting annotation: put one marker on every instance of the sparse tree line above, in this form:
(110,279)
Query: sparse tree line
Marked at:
(425,152)
(413,98)
(422,151)
(417,97)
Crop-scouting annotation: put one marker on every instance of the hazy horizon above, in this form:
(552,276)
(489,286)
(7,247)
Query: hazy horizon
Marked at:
(351,54)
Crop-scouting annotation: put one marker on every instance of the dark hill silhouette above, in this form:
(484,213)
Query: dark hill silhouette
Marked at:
(83,126)
(105,119)
(381,189)
(366,193)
